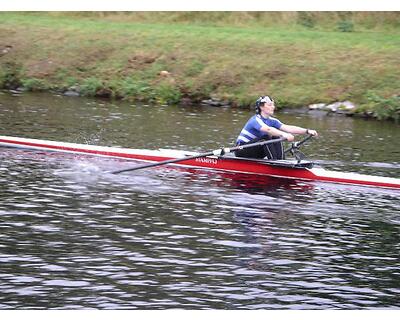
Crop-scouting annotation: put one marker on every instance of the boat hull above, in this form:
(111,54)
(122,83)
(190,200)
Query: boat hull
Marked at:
(225,163)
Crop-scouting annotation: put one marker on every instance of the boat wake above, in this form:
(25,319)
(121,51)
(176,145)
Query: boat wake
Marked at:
(86,168)
(87,171)
(96,172)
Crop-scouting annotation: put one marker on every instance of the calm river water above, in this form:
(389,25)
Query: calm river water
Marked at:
(73,237)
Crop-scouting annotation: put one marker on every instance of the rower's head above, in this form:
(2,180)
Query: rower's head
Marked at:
(265,101)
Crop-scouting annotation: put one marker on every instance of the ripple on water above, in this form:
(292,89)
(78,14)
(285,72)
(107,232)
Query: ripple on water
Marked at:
(75,237)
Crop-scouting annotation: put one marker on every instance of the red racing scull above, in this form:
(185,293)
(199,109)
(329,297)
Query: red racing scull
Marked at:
(289,169)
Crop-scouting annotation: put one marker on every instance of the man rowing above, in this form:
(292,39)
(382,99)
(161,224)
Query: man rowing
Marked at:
(262,126)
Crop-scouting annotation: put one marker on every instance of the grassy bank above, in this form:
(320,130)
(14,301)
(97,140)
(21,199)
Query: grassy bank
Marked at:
(327,21)
(124,56)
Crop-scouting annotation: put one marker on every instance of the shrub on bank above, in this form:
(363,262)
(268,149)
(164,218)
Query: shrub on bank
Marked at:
(10,75)
(166,93)
(130,87)
(91,86)
(345,26)
(34,84)
(382,108)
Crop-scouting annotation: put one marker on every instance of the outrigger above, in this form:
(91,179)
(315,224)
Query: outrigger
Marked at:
(221,159)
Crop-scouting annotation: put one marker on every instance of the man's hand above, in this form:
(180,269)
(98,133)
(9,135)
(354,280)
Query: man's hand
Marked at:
(289,137)
(312,132)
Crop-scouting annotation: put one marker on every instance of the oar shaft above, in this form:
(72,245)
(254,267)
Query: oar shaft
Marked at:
(155,164)
(295,145)
(258,143)
(200,155)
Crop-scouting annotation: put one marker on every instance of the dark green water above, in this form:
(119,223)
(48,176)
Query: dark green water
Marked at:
(72,237)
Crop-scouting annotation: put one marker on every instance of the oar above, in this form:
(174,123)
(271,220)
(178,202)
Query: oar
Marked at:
(296,145)
(217,152)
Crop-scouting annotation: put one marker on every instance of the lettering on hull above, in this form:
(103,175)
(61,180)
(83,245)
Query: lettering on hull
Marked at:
(207,160)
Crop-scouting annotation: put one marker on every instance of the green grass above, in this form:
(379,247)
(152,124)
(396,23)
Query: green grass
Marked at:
(122,55)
